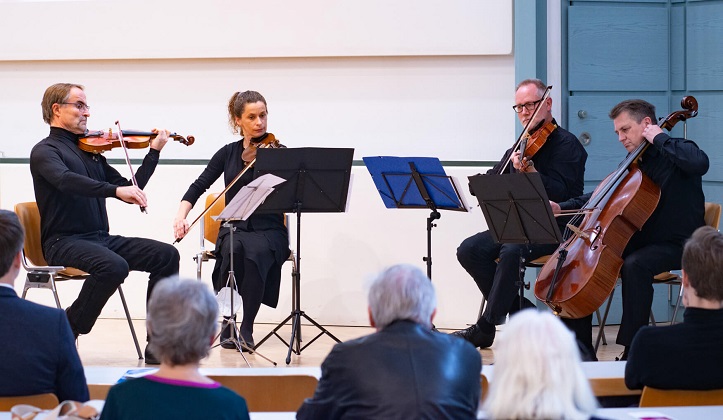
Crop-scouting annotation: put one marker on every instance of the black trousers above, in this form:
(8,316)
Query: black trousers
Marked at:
(108,259)
(639,267)
(496,280)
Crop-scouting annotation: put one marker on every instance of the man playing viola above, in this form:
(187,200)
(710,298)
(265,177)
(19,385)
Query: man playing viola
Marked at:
(71,187)
(493,266)
(677,167)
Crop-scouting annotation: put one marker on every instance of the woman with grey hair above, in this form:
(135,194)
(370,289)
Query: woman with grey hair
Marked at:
(181,321)
(537,372)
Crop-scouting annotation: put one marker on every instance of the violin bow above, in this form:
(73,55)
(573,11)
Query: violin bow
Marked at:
(128,160)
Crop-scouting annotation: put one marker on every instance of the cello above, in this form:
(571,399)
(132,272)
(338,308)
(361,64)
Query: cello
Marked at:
(583,271)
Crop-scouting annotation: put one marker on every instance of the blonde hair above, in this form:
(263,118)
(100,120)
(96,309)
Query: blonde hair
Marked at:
(537,373)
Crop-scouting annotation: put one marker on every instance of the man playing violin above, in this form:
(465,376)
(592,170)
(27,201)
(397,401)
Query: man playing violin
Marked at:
(71,187)
(676,166)
(493,266)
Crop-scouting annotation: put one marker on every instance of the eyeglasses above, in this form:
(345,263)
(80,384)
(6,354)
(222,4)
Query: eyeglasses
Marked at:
(80,105)
(530,106)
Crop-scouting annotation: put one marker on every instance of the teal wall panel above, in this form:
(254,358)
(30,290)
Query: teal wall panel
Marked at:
(614,48)
(704,46)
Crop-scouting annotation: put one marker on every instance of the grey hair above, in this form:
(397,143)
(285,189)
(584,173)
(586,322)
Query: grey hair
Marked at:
(539,84)
(181,321)
(402,292)
(537,372)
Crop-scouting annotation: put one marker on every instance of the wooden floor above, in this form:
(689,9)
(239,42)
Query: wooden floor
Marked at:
(110,344)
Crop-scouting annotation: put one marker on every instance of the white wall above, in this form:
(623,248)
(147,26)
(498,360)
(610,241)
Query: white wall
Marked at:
(417,78)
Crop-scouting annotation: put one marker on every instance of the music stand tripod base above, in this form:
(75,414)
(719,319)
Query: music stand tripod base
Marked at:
(231,283)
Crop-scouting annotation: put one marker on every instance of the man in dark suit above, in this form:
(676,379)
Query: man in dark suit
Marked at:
(404,370)
(38,350)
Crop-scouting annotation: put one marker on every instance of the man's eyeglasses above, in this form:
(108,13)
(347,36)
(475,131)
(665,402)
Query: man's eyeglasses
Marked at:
(530,106)
(80,105)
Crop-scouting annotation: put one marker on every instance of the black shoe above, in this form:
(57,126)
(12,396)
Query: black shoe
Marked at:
(476,336)
(151,358)
(226,334)
(249,348)
(623,355)
(228,331)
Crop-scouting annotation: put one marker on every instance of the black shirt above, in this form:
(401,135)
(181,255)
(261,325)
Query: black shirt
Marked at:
(71,185)
(681,356)
(677,167)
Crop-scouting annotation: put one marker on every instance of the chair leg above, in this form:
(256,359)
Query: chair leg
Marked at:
(652,318)
(602,331)
(677,305)
(482,307)
(130,323)
(604,320)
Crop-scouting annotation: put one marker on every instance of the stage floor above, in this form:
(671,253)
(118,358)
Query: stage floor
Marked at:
(110,344)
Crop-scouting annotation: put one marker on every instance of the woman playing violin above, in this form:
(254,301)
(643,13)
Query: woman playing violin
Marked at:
(71,187)
(676,166)
(261,243)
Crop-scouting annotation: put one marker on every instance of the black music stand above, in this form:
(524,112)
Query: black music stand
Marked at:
(317,181)
(517,211)
(416,183)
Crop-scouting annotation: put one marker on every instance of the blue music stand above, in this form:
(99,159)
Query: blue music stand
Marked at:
(415,183)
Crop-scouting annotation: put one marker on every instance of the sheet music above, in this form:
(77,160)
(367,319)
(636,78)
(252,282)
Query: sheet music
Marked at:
(249,198)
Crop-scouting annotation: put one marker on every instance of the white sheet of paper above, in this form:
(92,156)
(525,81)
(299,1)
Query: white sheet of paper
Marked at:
(249,198)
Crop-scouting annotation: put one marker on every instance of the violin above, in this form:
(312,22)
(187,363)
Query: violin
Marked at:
(100,141)
(533,141)
(267,140)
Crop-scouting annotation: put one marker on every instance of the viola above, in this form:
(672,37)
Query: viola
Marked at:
(101,141)
(267,140)
(533,141)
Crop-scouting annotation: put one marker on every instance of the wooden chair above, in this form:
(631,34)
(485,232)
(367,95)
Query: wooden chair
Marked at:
(43,276)
(271,393)
(98,391)
(484,388)
(43,401)
(712,218)
(653,397)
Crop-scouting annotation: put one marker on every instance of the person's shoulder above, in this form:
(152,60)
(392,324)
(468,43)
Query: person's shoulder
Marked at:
(46,312)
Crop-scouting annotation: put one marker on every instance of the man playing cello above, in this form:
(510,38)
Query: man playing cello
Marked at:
(676,166)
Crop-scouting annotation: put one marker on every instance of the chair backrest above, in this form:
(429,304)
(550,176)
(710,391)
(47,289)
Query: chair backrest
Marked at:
(210,226)
(272,392)
(653,397)
(29,216)
(712,214)
(44,401)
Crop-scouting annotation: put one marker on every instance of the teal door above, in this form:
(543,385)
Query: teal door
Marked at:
(657,50)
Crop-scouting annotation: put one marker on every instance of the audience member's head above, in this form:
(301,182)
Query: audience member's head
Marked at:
(537,372)
(11,243)
(702,264)
(181,321)
(401,292)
